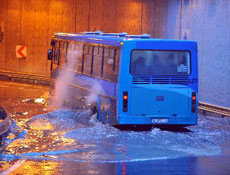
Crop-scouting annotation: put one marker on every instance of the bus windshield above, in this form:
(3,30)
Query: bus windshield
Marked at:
(156,62)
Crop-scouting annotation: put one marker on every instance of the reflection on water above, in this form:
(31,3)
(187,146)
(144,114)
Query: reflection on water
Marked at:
(62,141)
(73,135)
(31,167)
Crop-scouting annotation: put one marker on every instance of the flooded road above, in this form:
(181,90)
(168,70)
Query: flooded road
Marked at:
(62,141)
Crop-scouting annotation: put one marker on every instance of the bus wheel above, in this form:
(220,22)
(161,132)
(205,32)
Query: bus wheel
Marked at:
(94,110)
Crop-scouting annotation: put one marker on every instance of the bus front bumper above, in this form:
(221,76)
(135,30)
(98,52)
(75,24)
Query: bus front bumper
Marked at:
(145,120)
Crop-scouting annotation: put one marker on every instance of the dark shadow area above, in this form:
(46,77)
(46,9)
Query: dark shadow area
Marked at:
(134,127)
(139,128)
(174,128)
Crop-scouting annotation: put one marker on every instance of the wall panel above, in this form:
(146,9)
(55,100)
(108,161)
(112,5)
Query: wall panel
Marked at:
(148,16)
(145,23)
(55,17)
(55,20)
(154,17)
(173,19)
(109,16)
(160,18)
(3,13)
(69,15)
(129,16)
(13,34)
(40,39)
(82,15)
(95,15)
(27,35)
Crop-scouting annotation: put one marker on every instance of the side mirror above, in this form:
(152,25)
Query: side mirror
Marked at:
(50,54)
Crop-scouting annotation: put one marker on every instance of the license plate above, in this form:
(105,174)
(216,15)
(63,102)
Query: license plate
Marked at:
(159,120)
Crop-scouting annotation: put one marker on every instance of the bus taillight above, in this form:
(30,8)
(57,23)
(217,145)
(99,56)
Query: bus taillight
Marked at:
(193,101)
(125,101)
(193,98)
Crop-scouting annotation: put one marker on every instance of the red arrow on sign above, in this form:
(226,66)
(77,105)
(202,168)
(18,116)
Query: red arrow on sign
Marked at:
(20,52)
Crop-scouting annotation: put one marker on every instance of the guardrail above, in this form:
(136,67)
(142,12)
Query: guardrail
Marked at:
(24,77)
(205,107)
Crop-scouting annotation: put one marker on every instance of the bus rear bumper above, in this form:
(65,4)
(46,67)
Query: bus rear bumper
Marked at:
(144,120)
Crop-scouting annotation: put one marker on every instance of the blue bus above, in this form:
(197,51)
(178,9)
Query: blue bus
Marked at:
(134,79)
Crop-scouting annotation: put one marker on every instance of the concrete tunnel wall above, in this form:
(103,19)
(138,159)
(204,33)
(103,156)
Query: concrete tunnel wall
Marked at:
(32,23)
(208,23)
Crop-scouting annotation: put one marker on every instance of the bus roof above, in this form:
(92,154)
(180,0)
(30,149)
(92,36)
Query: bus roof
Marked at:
(114,39)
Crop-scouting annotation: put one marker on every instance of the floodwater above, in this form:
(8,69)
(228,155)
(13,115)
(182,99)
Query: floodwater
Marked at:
(61,141)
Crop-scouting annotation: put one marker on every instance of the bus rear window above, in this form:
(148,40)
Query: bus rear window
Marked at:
(155,62)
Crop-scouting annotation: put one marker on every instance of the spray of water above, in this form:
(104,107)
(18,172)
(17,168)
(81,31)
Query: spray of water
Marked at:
(95,90)
(66,75)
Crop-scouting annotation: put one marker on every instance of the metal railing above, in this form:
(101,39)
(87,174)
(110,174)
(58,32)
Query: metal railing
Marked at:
(24,77)
(205,107)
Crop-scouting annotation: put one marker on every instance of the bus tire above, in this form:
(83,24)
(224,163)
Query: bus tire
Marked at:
(94,110)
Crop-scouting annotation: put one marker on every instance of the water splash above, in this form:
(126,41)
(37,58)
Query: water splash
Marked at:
(77,136)
(95,90)
(66,75)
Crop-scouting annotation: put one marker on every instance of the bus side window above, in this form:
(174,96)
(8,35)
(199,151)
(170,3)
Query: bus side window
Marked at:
(108,64)
(79,54)
(62,54)
(55,54)
(97,61)
(66,46)
(87,59)
(71,56)
(58,53)
(117,61)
